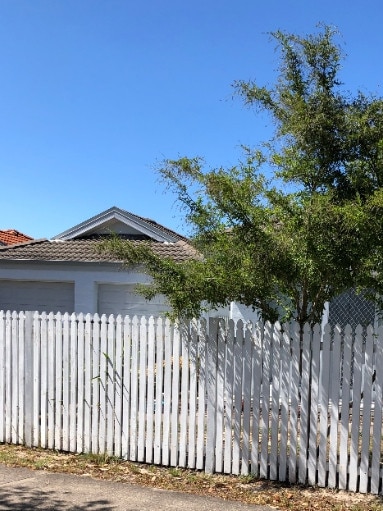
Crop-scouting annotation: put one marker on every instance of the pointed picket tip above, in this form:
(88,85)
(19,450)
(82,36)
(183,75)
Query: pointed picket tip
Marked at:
(348,330)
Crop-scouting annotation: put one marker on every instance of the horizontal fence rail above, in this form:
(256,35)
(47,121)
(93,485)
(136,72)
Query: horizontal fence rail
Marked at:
(216,396)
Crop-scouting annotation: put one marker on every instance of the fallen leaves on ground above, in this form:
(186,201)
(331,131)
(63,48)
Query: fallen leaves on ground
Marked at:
(240,488)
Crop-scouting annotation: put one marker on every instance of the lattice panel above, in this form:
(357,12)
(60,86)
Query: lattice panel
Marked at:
(353,309)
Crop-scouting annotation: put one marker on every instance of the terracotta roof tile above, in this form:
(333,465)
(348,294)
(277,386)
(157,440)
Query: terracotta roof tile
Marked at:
(12,237)
(85,250)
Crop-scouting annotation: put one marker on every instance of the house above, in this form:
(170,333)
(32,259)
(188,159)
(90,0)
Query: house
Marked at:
(69,274)
(12,237)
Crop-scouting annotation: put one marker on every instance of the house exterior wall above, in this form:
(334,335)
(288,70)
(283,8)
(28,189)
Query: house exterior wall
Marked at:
(86,279)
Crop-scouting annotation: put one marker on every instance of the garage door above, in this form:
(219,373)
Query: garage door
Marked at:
(122,299)
(41,296)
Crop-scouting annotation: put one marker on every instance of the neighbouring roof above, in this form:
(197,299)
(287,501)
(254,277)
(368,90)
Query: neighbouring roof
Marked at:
(85,250)
(12,237)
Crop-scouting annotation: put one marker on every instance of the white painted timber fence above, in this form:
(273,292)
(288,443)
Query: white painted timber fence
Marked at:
(218,397)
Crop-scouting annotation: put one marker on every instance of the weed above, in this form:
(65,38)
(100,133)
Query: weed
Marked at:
(175,472)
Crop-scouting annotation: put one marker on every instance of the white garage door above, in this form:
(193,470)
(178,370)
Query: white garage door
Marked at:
(122,299)
(36,296)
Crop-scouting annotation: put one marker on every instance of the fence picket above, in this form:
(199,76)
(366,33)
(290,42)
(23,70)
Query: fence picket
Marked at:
(220,405)
(334,410)
(110,383)
(28,381)
(44,381)
(184,396)
(8,377)
(377,427)
(304,407)
(202,377)
(103,376)
(126,387)
(36,382)
(294,399)
(143,343)
(159,396)
(51,381)
(134,389)
(313,409)
(118,389)
(256,395)
(193,361)
(150,392)
(366,413)
(345,420)
(228,397)
(58,360)
(80,383)
(96,383)
(21,375)
(275,378)
(284,400)
(246,392)
(88,375)
(237,396)
(324,406)
(175,398)
(73,362)
(356,397)
(266,373)
(15,377)
(66,365)
(167,393)
(3,373)
(211,379)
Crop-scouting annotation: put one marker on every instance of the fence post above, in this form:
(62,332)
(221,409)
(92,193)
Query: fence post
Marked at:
(28,379)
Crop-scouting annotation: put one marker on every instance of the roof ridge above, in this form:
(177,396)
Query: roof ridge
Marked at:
(22,244)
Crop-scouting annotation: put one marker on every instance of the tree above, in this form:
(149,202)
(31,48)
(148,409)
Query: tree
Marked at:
(298,220)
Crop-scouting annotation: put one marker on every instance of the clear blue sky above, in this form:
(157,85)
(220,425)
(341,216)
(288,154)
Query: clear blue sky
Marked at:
(94,92)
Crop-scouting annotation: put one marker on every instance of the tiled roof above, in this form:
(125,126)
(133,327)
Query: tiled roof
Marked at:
(161,227)
(12,237)
(85,250)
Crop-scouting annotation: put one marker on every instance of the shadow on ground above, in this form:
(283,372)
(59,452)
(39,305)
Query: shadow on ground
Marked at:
(20,498)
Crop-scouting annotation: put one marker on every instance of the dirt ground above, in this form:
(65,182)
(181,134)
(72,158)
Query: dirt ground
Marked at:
(238,488)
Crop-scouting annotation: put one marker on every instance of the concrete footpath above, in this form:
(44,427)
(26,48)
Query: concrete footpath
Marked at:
(23,489)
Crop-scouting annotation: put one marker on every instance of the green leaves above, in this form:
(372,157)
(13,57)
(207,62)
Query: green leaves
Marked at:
(287,249)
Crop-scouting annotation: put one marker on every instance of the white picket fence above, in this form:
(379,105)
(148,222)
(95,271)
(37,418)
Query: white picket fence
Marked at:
(219,397)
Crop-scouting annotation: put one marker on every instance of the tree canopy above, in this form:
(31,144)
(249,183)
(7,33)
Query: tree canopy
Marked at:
(299,219)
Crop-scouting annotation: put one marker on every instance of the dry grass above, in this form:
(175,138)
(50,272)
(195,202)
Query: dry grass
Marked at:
(239,488)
